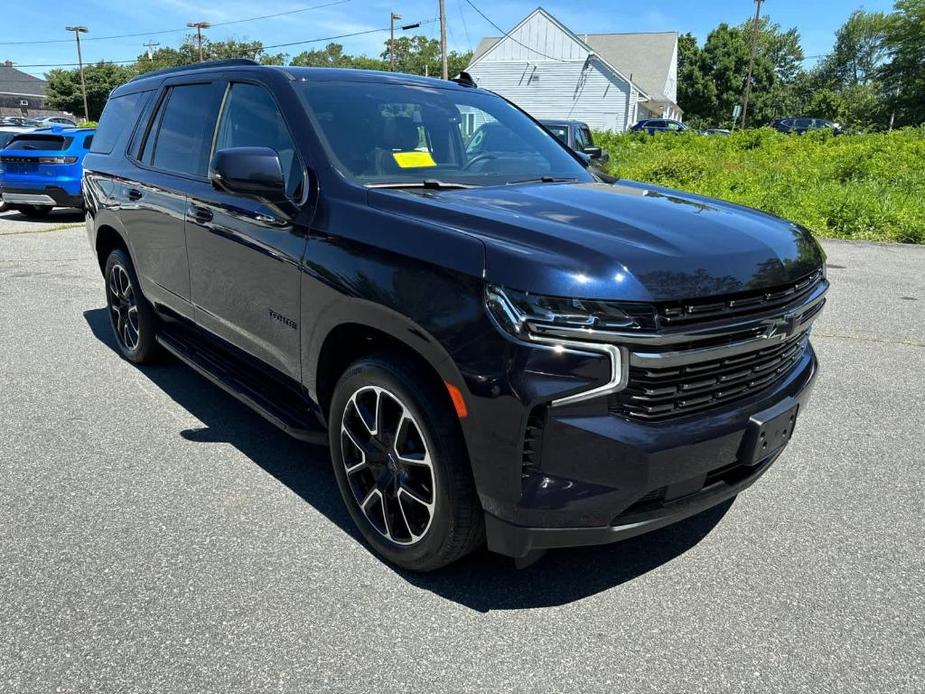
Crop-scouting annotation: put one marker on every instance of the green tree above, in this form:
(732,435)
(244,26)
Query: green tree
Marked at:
(333,55)
(188,52)
(419,55)
(64,91)
(904,74)
(696,91)
(860,50)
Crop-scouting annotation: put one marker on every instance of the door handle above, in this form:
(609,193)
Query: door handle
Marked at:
(134,194)
(201,214)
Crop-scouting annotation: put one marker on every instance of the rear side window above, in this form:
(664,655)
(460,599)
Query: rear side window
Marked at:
(118,117)
(45,143)
(184,135)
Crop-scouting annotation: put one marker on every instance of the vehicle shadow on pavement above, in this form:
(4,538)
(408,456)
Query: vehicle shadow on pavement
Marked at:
(483,581)
(58,215)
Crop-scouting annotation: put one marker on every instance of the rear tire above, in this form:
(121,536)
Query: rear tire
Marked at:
(33,211)
(133,321)
(401,466)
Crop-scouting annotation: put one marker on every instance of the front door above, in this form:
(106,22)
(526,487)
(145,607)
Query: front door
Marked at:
(245,255)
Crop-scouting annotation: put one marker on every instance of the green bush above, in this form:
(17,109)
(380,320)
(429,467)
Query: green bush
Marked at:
(866,186)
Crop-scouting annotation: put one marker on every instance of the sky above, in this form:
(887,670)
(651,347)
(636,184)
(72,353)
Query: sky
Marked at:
(26,23)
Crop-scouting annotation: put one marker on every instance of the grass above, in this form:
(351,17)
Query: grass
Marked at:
(869,186)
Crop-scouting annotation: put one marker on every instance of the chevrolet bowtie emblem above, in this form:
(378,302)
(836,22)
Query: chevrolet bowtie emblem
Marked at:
(784,327)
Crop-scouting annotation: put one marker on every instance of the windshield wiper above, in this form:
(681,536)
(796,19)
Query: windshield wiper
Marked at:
(545,179)
(430,183)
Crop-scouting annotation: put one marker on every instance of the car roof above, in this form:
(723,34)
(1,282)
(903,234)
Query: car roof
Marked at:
(320,74)
(559,121)
(16,128)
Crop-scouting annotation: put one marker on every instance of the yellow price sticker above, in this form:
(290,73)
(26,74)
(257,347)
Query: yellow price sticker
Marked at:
(413,160)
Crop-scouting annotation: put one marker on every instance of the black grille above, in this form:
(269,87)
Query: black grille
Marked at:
(735,305)
(654,394)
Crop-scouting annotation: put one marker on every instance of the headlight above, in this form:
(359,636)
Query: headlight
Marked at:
(564,324)
(521,313)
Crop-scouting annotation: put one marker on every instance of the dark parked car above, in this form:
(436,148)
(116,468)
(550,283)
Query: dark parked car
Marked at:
(660,125)
(577,136)
(495,345)
(802,124)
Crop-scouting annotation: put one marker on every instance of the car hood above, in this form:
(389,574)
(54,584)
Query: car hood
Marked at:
(626,241)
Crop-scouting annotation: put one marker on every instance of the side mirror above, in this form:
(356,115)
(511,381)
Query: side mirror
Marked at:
(593,152)
(252,171)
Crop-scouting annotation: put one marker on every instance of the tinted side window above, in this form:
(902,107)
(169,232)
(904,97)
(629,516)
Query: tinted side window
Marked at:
(184,138)
(118,116)
(584,138)
(251,119)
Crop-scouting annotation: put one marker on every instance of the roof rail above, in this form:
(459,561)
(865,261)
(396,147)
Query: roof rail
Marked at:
(196,66)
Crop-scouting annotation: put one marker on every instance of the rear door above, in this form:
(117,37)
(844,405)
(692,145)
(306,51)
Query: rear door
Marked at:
(245,255)
(172,156)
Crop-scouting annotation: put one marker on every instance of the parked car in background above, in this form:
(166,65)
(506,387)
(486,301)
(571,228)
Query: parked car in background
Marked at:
(803,124)
(57,120)
(7,133)
(577,136)
(19,122)
(42,169)
(660,125)
(501,347)
(722,132)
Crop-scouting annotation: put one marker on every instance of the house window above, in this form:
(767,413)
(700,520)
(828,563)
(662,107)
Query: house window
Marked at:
(468,125)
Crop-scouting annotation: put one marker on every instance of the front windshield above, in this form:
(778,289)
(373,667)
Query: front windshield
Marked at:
(382,133)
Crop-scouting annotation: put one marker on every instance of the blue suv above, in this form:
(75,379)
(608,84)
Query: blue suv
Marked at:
(42,169)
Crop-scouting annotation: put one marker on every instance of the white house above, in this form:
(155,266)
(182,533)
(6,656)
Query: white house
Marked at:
(609,81)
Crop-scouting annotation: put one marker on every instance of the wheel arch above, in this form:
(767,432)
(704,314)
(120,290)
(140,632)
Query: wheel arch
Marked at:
(371,329)
(110,234)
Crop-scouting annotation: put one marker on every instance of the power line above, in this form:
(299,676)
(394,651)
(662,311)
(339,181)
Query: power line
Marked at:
(507,35)
(277,45)
(339,36)
(174,31)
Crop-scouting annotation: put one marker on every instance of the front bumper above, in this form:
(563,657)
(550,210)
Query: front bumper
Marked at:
(604,478)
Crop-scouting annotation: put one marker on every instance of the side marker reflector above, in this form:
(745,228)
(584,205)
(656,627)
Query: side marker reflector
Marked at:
(458,401)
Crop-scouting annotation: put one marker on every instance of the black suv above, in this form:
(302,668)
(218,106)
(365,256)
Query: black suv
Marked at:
(500,347)
(802,125)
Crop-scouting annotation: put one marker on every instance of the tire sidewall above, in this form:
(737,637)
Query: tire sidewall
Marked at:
(376,372)
(146,320)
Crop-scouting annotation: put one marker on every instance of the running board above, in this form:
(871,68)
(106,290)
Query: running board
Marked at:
(287,412)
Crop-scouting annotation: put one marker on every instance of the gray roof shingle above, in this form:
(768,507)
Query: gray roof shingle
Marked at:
(13,81)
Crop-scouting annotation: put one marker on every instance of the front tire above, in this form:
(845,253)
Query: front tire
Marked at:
(133,321)
(401,465)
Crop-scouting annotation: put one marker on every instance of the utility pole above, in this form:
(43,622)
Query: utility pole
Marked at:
(151,45)
(393,17)
(78,30)
(751,60)
(199,26)
(443,37)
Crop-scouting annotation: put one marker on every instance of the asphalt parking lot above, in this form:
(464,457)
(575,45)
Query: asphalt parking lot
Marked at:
(157,536)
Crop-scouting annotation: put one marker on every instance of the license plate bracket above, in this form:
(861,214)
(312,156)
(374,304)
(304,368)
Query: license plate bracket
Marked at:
(767,435)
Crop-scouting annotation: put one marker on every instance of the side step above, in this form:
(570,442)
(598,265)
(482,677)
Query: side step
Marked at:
(279,405)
